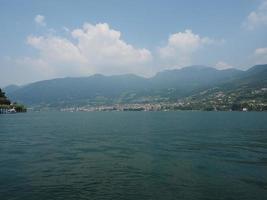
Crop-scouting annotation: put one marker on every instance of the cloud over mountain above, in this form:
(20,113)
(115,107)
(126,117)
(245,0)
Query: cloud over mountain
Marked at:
(97,48)
(90,49)
(260,55)
(181,46)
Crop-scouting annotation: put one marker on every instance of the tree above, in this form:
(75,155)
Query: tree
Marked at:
(3,99)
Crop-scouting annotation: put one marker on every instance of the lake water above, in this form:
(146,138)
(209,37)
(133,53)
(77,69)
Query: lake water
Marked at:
(133,155)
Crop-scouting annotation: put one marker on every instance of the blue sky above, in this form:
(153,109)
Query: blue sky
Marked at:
(48,39)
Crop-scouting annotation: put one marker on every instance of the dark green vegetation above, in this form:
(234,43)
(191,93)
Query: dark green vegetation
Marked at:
(5,104)
(195,87)
(3,99)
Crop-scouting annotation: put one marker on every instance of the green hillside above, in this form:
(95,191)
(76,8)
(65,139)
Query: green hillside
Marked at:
(195,87)
(248,91)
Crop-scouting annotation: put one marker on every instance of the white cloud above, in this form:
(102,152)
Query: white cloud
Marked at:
(261,51)
(181,46)
(100,49)
(260,56)
(257,18)
(103,46)
(40,20)
(56,50)
(91,49)
(223,65)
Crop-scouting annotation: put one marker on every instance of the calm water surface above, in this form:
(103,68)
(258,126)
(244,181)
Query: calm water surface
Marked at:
(133,155)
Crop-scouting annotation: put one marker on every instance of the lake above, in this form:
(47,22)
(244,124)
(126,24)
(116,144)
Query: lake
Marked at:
(133,155)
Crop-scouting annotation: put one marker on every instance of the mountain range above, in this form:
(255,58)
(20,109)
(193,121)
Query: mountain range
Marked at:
(166,86)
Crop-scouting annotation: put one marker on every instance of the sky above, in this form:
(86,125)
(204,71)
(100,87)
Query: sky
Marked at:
(48,39)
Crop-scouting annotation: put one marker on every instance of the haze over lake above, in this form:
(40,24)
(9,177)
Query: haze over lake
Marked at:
(133,155)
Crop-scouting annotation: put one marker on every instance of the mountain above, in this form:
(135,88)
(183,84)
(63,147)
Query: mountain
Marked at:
(12,88)
(193,78)
(76,90)
(253,78)
(248,90)
(168,85)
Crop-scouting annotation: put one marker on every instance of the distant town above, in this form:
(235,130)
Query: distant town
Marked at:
(216,102)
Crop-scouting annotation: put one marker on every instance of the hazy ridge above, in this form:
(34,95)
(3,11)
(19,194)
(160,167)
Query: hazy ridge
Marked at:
(165,86)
